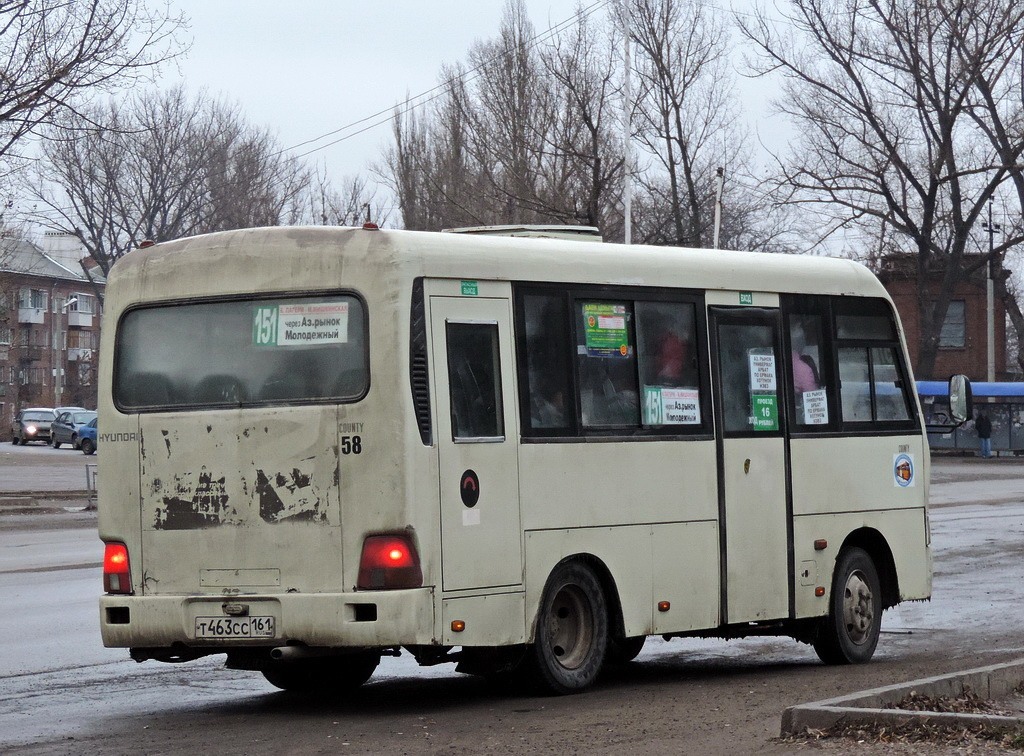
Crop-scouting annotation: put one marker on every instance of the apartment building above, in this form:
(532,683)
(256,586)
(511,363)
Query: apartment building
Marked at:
(49,326)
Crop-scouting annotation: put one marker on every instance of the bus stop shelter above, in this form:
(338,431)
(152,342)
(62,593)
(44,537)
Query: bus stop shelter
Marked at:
(1002,402)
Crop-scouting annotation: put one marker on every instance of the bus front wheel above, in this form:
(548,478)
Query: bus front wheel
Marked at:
(849,634)
(322,675)
(572,630)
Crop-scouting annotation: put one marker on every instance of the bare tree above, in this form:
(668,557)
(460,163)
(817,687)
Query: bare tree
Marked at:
(162,166)
(527,131)
(908,120)
(686,116)
(586,160)
(55,53)
(352,205)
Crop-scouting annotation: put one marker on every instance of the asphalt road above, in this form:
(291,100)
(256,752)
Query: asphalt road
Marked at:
(61,692)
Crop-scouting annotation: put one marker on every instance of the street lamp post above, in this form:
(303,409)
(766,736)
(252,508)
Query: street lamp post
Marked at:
(58,369)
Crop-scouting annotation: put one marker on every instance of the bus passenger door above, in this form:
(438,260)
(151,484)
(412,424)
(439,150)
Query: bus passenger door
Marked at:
(753,508)
(481,537)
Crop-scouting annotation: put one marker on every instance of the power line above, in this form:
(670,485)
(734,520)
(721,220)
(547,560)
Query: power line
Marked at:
(385,116)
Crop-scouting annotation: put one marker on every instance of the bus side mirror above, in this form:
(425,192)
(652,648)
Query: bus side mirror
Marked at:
(960,398)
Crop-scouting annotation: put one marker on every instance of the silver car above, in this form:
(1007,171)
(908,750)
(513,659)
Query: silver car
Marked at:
(32,424)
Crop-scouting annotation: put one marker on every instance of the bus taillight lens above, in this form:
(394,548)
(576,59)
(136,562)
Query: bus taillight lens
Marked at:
(389,561)
(117,576)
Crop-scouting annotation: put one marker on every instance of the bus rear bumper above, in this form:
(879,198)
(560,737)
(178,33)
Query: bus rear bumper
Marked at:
(359,620)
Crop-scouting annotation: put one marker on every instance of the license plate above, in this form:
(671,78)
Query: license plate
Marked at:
(234,627)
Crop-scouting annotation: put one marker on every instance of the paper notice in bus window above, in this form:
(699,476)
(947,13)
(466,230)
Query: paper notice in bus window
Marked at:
(605,330)
(762,371)
(671,406)
(301,324)
(815,407)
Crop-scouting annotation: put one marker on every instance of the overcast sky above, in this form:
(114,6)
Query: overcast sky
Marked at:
(307,67)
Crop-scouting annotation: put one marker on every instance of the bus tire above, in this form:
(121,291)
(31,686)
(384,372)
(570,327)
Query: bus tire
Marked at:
(322,675)
(623,650)
(572,631)
(849,634)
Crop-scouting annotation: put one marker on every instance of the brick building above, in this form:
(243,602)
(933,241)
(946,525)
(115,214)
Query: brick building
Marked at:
(49,326)
(963,345)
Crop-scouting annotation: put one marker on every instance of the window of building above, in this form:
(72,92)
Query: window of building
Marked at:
(84,303)
(5,334)
(81,339)
(33,376)
(32,336)
(954,328)
(36,299)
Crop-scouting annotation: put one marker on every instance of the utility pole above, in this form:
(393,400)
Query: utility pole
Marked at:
(990,295)
(627,127)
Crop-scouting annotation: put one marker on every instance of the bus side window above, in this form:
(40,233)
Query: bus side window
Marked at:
(854,380)
(809,388)
(607,364)
(669,380)
(474,381)
(546,327)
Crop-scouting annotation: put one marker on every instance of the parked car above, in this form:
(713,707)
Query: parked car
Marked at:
(87,437)
(58,410)
(32,424)
(66,426)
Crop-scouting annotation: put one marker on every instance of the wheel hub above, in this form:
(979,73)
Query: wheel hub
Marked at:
(858,608)
(570,627)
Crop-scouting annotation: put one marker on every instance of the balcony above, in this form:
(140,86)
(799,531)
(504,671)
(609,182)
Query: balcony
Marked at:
(79,318)
(31,314)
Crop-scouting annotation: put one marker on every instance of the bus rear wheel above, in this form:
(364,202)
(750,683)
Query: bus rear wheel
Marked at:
(572,631)
(849,634)
(335,675)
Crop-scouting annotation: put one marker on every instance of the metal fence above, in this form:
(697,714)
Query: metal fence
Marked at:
(91,476)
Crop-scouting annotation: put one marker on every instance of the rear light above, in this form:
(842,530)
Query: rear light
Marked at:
(117,576)
(389,561)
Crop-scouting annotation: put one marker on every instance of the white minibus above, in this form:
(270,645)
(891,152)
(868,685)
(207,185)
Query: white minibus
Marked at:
(521,455)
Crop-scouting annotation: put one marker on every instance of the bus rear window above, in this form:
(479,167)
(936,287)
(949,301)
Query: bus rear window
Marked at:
(242,352)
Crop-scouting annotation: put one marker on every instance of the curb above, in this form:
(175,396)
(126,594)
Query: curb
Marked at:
(45,502)
(866,707)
